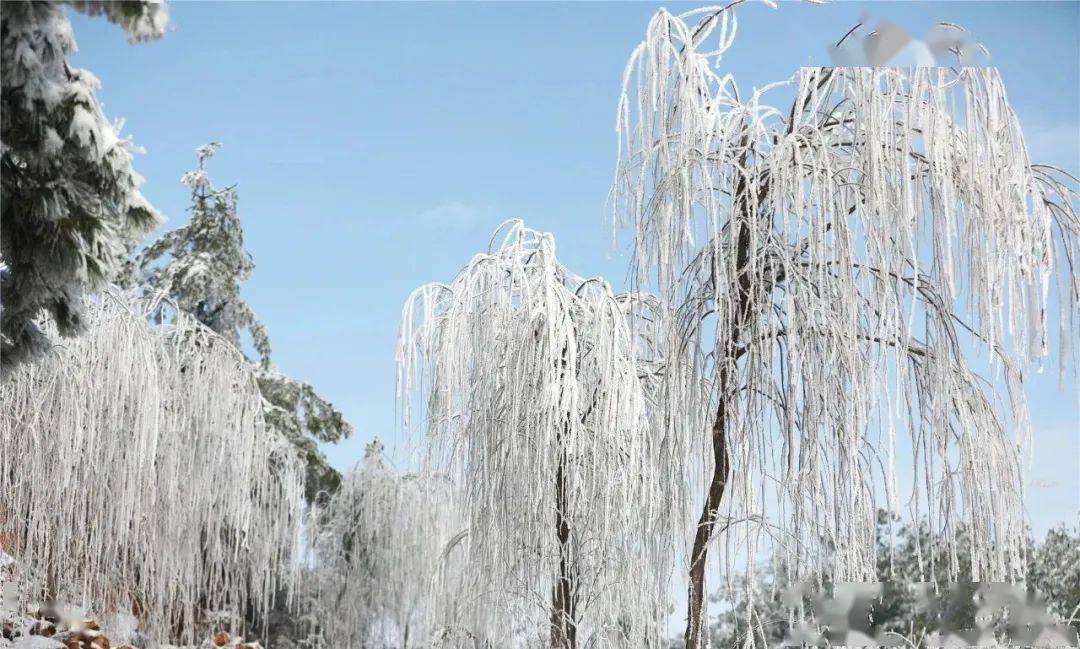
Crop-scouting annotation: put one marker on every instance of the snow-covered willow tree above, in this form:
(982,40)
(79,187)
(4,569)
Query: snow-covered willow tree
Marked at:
(535,408)
(388,551)
(137,474)
(836,269)
(70,197)
(202,266)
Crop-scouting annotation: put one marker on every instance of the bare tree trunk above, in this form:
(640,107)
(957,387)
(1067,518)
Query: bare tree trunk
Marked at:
(746,290)
(727,374)
(696,595)
(563,595)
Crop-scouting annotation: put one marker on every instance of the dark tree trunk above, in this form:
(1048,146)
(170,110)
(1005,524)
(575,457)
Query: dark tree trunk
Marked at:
(563,592)
(706,524)
(746,290)
(726,379)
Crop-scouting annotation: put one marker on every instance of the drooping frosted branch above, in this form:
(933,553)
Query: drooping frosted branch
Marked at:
(850,258)
(534,405)
(388,551)
(136,473)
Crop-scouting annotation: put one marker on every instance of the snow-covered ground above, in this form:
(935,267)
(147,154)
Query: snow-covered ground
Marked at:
(26,624)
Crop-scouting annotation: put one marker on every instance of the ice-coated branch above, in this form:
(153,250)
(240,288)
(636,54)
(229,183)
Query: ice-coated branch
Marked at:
(389,552)
(136,474)
(832,272)
(533,403)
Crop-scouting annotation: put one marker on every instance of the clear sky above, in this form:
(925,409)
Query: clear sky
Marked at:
(375,147)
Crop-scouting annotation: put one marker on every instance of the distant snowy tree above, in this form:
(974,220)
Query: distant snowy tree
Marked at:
(389,549)
(533,402)
(201,266)
(1055,572)
(70,198)
(206,261)
(137,474)
(904,564)
(830,270)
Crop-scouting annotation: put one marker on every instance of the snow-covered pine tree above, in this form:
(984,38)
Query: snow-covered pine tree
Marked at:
(836,269)
(389,551)
(201,266)
(534,406)
(70,198)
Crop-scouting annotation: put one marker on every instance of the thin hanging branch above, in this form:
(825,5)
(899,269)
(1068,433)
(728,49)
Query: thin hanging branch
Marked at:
(827,270)
(530,381)
(388,553)
(136,474)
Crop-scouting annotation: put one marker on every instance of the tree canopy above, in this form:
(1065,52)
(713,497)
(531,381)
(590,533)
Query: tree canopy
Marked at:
(137,474)
(828,267)
(202,266)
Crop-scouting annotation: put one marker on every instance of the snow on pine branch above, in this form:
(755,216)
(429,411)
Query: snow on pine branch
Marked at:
(143,20)
(136,474)
(201,266)
(72,204)
(843,258)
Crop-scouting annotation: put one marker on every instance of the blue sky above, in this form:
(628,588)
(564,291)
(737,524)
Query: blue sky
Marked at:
(375,146)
